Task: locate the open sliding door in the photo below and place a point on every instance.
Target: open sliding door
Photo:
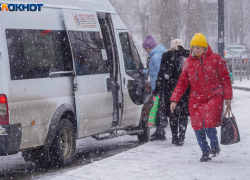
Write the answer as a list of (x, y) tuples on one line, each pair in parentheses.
[(93, 98)]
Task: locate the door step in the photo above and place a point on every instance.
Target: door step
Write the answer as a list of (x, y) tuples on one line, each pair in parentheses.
[(116, 135)]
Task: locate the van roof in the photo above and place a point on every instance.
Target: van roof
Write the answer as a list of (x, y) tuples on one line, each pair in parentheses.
[(90, 5)]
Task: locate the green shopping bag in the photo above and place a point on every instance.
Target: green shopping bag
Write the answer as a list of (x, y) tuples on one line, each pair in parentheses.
[(153, 112)]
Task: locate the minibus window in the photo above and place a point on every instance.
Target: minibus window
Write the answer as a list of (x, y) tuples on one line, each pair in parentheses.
[(36, 53), (109, 40), (39, 53), (131, 58), (89, 53), (63, 49)]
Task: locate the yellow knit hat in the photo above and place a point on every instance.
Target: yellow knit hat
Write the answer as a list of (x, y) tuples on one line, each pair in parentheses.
[(198, 40)]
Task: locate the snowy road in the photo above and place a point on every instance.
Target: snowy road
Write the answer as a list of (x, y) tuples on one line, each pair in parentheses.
[(124, 158), (88, 150)]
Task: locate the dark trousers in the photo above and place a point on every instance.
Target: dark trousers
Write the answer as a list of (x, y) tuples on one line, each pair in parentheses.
[(201, 138), (178, 125)]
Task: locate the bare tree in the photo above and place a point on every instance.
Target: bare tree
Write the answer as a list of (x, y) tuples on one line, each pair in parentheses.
[(143, 10), (195, 19), (163, 19), (135, 15)]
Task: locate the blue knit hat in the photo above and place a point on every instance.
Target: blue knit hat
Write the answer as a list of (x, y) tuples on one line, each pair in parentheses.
[(149, 42)]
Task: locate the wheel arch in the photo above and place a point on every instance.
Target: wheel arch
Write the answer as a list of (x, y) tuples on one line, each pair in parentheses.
[(63, 111)]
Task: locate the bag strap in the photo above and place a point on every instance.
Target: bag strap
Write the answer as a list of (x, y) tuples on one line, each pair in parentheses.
[(227, 112), (232, 112)]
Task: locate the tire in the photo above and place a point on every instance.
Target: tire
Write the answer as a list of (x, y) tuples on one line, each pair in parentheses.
[(145, 135), (63, 148)]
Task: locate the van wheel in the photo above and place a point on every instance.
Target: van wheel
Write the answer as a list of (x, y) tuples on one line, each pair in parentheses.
[(145, 135), (64, 146)]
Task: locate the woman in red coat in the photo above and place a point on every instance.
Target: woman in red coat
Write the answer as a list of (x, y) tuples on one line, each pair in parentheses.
[(210, 84)]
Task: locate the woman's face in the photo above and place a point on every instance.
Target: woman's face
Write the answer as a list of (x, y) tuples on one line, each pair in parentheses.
[(198, 50), (148, 50)]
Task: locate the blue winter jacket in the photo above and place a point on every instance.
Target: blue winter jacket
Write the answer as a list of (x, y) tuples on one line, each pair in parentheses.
[(154, 64)]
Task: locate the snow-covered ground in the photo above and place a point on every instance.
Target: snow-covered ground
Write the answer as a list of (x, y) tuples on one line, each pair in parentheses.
[(243, 83), (162, 160)]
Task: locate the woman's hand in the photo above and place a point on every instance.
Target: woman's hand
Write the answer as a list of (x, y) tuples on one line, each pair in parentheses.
[(228, 102), (173, 106)]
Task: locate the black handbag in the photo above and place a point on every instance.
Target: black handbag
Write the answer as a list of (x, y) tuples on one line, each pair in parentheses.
[(229, 129)]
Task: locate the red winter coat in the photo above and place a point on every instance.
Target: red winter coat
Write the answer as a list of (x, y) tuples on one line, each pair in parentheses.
[(210, 85)]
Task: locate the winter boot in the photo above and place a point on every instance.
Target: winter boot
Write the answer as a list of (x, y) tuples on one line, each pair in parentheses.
[(174, 129), (205, 158), (183, 121), (175, 140), (158, 135), (215, 151), (155, 133), (180, 142)]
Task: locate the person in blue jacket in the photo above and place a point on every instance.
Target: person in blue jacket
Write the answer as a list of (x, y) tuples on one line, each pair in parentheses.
[(155, 52)]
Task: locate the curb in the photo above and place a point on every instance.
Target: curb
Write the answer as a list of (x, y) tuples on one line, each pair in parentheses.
[(241, 88)]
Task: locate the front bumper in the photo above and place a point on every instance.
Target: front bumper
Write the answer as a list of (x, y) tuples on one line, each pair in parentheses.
[(10, 139)]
